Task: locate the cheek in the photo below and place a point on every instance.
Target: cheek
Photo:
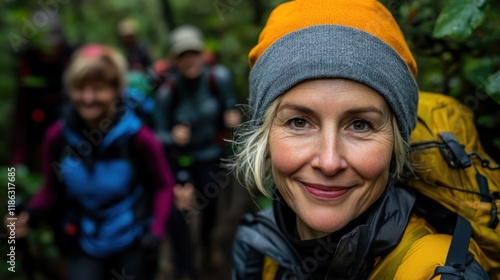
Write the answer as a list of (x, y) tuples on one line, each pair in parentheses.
[(372, 160), (279, 158), (108, 98), (74, 97), (199, 63), (181, 65), (289, 155), (285, 156)]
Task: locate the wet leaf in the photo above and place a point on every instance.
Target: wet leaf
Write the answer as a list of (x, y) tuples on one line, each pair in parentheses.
[(459, 18), (493, 87)]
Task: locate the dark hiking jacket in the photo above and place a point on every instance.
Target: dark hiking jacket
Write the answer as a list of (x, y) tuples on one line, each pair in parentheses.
[(260, 246)]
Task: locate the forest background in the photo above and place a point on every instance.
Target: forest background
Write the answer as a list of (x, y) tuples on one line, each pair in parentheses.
[(456, 44)]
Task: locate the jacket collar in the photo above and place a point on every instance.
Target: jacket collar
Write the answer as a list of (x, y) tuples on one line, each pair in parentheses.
[(126, 124), (382, 233)]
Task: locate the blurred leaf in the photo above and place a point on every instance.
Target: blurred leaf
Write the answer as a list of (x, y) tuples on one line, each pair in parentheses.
[(488, 121), (493, 87), (46, 237), (455, 85), (475, 70), (212, 45), (430, 76), (459, 18), (27, 182), (496, 142)]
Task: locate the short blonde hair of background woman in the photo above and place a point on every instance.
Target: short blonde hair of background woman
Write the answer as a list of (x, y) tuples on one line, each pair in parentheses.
[(96, 63)]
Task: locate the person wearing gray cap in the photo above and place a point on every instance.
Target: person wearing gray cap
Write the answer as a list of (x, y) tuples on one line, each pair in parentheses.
[(195, 106), (333, 101)]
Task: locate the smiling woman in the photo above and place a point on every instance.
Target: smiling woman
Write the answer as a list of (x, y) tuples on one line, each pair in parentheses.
[(333, 101), (330, 145)]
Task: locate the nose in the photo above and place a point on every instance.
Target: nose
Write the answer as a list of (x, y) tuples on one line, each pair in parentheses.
[(87, 95), (329, 154)]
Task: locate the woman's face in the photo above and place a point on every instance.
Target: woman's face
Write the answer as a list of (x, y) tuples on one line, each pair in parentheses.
[(330, 143), (94, 101)]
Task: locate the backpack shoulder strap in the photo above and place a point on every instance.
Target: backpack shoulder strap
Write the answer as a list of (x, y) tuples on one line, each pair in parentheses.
[(169, 81), (456, 259), (212, 82)]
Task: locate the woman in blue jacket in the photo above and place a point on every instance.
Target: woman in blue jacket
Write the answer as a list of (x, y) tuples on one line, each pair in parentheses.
[(104, 172)]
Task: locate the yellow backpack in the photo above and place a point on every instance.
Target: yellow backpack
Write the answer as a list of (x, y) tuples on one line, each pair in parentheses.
[(453, 169)]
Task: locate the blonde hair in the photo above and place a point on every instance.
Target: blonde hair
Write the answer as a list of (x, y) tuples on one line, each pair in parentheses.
[(96, 63), (401, 167), (252, 162)]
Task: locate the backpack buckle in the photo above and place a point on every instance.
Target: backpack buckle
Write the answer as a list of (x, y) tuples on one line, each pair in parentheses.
[(454, 152)]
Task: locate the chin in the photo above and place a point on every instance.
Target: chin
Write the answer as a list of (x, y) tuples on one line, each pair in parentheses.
[(324, 221), (90, 117), (192, 74)]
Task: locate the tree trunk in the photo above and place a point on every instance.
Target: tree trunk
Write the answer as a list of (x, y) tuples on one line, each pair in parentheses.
[(258, 9), (168, 15)]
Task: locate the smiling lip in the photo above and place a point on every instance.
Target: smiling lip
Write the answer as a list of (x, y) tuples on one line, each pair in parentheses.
[(325, 192)]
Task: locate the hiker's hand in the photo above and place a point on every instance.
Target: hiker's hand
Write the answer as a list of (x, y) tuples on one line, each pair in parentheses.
[(232, 118), (21, 225), (181, 134), (184, 196)]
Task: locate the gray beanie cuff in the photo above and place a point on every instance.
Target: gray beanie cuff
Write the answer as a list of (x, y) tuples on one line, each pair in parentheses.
[(334, 51)]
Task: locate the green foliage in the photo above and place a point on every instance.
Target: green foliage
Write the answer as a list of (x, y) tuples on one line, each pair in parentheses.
[(459, 18), (493, 86)]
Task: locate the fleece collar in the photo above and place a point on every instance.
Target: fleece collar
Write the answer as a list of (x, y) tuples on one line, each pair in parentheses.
[(122, 128)]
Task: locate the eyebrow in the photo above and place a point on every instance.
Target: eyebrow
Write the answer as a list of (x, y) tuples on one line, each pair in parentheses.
[(360, 110), (350, 112), (299, 108)]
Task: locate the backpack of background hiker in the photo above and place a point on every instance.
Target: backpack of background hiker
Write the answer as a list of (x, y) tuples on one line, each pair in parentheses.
[(452, 169), (164, 70)]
